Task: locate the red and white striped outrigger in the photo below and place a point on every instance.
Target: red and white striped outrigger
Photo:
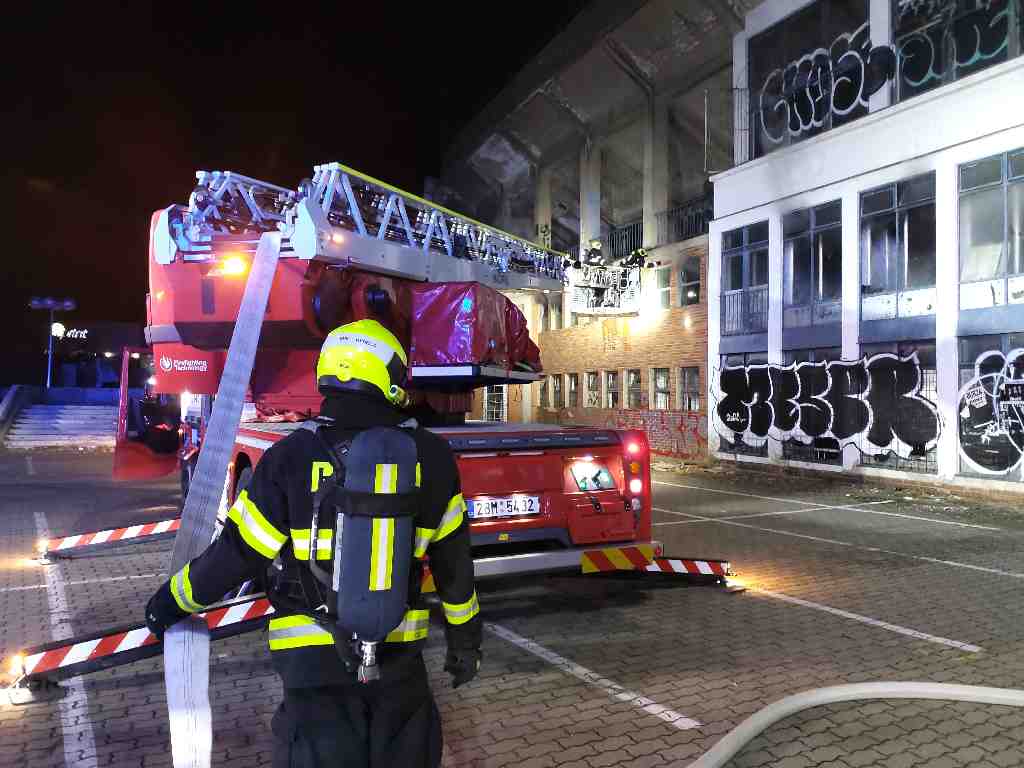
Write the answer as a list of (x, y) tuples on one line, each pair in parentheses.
[(69, 546), (123, 645)]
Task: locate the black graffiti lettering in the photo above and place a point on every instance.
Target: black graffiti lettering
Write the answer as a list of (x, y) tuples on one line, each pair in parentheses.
[(874, 404), (815, 410), (851, 415), (991, 431), (760, 405), (785, 388)]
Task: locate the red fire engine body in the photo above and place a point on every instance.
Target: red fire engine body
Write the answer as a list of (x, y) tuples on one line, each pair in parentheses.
[(352, 248)]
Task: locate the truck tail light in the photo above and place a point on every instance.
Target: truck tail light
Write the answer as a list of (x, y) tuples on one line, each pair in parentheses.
[(636, 486)]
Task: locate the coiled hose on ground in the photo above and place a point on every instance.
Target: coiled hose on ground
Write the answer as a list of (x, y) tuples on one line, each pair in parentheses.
[(746, 731)]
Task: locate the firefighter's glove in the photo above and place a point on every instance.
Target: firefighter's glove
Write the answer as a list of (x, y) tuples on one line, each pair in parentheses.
[(162, 612), (462, 665)]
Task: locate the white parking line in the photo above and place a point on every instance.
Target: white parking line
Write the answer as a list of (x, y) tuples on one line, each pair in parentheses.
[(767, 514), (76, 727), (871, 622), (79, 582), (610, 687), (29, 466), (969, 566), (852, 507)]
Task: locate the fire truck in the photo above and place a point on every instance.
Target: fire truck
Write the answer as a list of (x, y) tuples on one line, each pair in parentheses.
[(352, 247)]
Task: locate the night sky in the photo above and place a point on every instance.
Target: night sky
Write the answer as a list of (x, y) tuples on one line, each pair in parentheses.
[(112, 108)]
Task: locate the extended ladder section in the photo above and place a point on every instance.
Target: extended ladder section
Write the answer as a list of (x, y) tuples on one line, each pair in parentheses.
[(346, 218)]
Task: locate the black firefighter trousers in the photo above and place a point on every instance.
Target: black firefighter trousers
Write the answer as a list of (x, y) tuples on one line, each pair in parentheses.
[(377, 725)]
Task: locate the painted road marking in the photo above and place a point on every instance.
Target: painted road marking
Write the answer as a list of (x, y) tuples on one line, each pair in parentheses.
[(923, 558), (767, 514), (29, 466), (76, 727), (79, 582), (613, 689), (853, 507), (869, 621)]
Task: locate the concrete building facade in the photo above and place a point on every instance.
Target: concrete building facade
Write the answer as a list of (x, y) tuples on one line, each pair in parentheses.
[(866, 258)]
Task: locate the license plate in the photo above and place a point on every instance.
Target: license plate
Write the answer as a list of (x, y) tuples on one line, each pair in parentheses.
[(507, 506)]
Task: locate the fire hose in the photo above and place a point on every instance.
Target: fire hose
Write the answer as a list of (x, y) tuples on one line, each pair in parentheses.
[(741, 735)]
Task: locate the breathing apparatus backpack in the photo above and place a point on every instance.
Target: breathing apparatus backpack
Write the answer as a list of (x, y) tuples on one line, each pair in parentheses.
[(370, 501)]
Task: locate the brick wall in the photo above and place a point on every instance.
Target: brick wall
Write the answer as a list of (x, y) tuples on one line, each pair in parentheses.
[(672, 339)]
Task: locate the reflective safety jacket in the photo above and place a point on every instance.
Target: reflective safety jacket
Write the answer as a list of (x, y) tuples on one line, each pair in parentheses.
[(271, 518)]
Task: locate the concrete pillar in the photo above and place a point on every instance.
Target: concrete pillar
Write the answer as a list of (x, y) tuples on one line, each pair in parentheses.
[(850, 311), (880, 18), (542, 208), (742, 128), (947, 309), (656, 167), (775, 270), (713, 293), (590, 195)]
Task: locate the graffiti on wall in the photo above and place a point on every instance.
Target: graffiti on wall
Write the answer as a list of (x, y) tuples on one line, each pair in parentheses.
[(825, 82), (678, 434), (991, 408), (949, 40), (874, 404)]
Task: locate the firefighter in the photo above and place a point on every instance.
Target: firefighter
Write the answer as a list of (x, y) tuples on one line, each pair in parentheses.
[(329, 718)]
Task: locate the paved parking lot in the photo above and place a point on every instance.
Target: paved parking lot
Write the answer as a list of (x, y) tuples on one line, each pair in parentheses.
[(847, 583)]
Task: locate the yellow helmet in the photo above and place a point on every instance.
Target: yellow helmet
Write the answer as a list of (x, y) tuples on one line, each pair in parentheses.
[(363, 356)]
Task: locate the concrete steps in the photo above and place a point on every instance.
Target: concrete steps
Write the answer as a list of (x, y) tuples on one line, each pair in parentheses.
[(63, 426)]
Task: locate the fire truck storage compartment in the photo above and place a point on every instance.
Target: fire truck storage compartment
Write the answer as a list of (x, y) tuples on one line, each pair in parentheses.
[(458, 324)]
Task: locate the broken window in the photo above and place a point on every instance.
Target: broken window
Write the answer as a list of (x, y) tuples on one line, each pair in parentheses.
[(897, 249), (812, 265), (992, 231), (689, 388), (612, 389), (689, 282), (662, 389), (633, 388), (574, 390)]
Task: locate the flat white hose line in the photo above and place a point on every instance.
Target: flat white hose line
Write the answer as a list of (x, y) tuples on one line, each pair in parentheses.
[(745, 732)]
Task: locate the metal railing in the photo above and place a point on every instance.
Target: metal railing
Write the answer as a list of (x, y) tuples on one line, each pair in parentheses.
[(622, 241), (684, 221), (745, 311)]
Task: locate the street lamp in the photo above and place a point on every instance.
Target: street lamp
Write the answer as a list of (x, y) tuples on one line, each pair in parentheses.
[(56, 329)]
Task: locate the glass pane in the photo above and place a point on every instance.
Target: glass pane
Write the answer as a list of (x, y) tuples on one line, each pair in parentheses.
[(828, 251), (796, 257), (732, 273), (691, 270), (916, 190), (634, 378), (879, 200), (972, 347), (732, 361), (924, 350), (796, 223), (878, 254), (664, 277), (665, 301), (918, 228), (690, 294), (732, 239), (987, 171), (1015, 227), (757, 358), (1016, 162), (827, 353), (757, 233), (981, 235), (661, 378), (830, 213), (759, 268)]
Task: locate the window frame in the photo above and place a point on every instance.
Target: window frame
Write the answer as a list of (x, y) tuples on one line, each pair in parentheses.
[(557, 392), (661, 395), (1006, 182), (591, 401), (684, 286), (664, 293), (746, 251), (572, 390), (811, 234), (634, 392), (900, 294), (688, 396), (613, 390)]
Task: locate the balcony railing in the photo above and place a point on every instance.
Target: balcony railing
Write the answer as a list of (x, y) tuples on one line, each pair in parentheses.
[(684, 221), (745, 311), (622, 241)]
